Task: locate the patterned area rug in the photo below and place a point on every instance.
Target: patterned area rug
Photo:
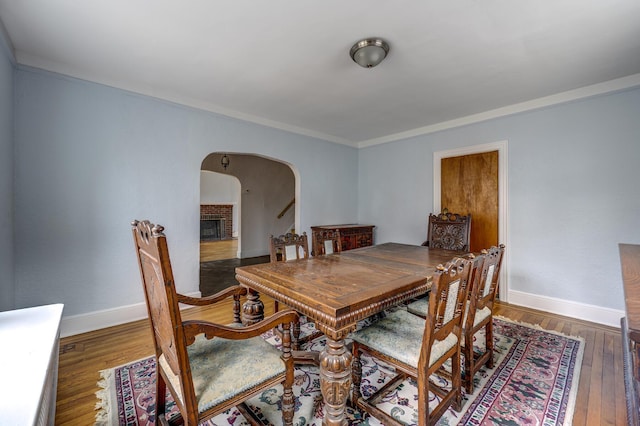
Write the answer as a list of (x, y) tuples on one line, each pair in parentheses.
[(534, 382)]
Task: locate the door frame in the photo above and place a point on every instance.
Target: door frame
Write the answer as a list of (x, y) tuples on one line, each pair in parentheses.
[(503, 217)]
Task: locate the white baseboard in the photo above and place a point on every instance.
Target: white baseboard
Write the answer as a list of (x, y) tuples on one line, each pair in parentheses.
[(597, 314), (82, 323), (77, 324)]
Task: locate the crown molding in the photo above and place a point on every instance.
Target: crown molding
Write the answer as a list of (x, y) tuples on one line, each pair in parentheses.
[(606, 87), (65, 71), (611, 86)]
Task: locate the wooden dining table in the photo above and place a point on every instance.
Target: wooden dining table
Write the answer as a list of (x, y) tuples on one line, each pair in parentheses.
[(337, 291)]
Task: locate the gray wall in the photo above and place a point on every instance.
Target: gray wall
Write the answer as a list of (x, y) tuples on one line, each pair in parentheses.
[(6, 176), (574, 193), (90, 158)]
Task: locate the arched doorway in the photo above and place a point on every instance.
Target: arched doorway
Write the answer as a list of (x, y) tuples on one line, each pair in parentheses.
[(266, 188)]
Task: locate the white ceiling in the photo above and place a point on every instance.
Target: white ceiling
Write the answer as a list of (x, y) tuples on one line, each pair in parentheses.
[(285, 63)]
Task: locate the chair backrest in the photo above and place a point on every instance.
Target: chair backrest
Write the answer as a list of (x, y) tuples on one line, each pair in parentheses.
[(327, 241), (485, 287), (162, 300), (289, 247), (447, 300), (449, 231)]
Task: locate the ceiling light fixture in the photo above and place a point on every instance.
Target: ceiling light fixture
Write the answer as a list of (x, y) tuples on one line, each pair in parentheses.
[(369, 52)]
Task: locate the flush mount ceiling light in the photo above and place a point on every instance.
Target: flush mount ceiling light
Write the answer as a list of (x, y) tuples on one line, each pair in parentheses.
[(369, 52)]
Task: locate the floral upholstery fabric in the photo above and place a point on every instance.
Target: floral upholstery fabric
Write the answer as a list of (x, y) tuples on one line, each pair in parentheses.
[(419, 307), (222, 368), (450, 307), (480, 315), (487, 282), (399, 335), (291, 252)]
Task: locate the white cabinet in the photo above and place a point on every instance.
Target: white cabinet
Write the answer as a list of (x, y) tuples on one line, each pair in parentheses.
[(29, 340)]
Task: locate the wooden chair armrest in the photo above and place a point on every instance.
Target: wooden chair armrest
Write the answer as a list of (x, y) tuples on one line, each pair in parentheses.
[(193, 327), (221, 295)]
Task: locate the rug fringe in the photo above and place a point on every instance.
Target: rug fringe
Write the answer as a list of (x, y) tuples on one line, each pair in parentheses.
[(104, 415), (538, 327)]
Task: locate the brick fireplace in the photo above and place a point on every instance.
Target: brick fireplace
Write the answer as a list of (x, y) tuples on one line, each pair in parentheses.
[(216, 221)]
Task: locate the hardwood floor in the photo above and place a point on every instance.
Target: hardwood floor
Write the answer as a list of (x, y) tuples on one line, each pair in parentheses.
[(600, 400), (218, 250)]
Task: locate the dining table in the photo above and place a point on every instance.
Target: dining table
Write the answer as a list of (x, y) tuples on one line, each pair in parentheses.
[(336, 292)]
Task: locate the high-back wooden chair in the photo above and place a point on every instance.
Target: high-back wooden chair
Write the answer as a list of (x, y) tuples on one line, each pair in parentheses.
[(449, 231), (207, 367), (420, 306), (288, 247), (327, 241), (418, 347), (479, 315)]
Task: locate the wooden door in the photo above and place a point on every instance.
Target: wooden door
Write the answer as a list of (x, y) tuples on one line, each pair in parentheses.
[(469, 184)]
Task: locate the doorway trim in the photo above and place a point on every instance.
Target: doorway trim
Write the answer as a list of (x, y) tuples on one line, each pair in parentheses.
[(503, 202)]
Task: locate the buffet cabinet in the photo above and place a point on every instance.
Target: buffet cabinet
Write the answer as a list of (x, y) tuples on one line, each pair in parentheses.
[(352, 236), (630, 325)]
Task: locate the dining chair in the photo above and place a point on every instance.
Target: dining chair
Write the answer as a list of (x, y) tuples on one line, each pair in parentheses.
[(207, 367), (479, 314), (449, 231), (327, 242), (483, 290), (418, 347), (287, 248)]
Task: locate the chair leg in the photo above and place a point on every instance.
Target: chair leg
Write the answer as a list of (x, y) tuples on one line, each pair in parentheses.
[(356, 375), (455, 379), (288, 400), (295, 336), (161, 397), (424, 417), (489, 342), (467, 350)]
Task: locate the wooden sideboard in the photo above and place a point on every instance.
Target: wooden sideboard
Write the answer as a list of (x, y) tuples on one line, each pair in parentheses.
[(630, 325), (352, 236)]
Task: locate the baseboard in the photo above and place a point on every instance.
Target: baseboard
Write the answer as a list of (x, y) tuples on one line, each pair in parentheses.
[(83, 323), (597, 314)]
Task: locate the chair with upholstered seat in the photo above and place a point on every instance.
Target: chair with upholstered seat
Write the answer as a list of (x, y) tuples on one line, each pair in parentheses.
[(327, 241), (449, 231), (483, 290), (418, 347), (420, 306), (483, 293), (207, 367), (287, 248)]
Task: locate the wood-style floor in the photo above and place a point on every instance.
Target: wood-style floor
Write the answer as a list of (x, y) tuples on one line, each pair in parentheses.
[(600, 399), (218, 250)]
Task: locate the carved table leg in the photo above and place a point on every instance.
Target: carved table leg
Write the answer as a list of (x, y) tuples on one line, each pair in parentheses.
[(335, 381), (252, 309)]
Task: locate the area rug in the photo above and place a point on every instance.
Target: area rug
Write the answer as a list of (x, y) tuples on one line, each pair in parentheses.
[(534, 382)]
